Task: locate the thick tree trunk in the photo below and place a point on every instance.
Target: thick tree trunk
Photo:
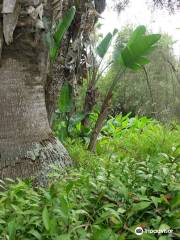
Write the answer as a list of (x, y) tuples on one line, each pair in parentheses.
[(28, 98), (27, 146), (26, 142)]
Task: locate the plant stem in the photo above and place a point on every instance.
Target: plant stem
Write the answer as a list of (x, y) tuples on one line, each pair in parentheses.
[(92, 93), (150, 90), (104, 112)]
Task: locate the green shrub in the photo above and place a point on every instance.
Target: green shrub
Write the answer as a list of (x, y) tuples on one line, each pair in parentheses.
[(131, 181)]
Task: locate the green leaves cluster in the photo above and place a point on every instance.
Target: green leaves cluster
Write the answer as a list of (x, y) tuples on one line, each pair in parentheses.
[(134, 54), (140, 44), (129, 183)]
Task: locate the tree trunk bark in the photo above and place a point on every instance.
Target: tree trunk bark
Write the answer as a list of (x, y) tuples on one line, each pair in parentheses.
[(89, 103), (27, 146), (28, 98)]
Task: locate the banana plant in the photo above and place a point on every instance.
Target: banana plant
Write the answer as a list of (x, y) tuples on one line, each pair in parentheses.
[(133, 56), (95, 73)]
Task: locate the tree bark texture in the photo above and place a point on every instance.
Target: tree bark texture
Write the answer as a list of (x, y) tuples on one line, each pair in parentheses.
[(71, 63), (28, 90), (27, 146)]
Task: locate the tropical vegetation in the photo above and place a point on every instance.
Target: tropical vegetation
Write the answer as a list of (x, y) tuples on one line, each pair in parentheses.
[(89, 125)]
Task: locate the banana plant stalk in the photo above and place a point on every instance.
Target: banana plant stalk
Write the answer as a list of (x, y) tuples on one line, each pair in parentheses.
[(104, 111), (92, 92), (133, 56)]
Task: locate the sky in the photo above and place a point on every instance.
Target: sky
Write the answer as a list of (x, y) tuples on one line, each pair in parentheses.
[(140, 12)]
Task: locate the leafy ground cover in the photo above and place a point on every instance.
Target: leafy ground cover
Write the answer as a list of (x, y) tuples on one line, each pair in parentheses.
[(132, 181)]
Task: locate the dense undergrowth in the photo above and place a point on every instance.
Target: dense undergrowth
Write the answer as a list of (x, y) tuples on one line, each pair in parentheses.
[(132, 181)]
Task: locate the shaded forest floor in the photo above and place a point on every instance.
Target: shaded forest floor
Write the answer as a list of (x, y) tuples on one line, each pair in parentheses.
[(132, 181)]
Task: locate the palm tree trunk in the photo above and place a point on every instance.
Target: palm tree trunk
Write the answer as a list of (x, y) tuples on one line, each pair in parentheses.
[(27, 146)]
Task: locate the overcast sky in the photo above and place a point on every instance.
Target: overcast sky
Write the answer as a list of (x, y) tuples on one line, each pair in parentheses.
[(139, 12)]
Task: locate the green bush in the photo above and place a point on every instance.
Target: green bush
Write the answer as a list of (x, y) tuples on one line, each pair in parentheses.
[(131, 181)]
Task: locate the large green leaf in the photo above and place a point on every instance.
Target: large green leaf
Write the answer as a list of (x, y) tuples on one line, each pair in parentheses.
[(65, 99), (134, 55), (60, 30), (64, 24), (104, 45)]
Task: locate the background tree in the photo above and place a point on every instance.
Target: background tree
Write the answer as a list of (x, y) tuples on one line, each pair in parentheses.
[(172, 5)]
